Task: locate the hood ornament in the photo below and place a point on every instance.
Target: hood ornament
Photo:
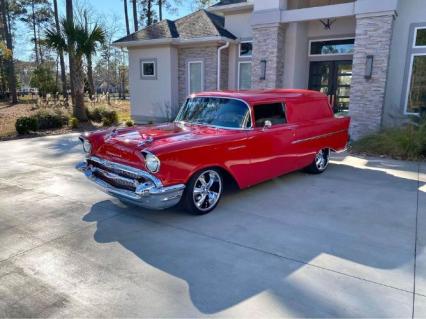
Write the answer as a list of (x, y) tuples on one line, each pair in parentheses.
[(147, 140)]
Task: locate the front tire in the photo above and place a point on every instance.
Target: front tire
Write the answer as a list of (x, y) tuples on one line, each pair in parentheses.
[(320, 162), (203, 192)]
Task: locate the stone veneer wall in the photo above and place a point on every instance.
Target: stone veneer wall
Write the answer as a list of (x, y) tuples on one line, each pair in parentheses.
[(373, 37), (268, 44), (208, 55)]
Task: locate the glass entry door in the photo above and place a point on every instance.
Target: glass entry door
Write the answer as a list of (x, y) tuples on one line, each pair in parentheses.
[(332, 78)]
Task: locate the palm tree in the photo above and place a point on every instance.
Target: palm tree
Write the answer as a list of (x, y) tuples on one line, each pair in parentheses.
[(78, 42)]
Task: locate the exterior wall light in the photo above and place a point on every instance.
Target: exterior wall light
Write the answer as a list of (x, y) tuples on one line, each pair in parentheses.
[(369, 67), (262, 69)]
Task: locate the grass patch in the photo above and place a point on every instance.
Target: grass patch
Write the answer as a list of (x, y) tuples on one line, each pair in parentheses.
[(407, 143)]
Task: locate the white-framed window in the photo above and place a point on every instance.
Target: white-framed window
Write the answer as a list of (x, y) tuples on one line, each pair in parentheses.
[(148, 69), (244, 75), (416, 88), (331, 47), (245, 49), (419, 38), (195, 76)]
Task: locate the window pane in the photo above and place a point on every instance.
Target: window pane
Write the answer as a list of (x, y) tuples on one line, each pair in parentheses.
[(269, 112), (148, 69), (195, 80), (417, 94), (215, 111), (245, 76), (246, 49), (421, 37), (332, 47)]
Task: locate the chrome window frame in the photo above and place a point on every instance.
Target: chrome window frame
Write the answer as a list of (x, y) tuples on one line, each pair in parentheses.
[(218, 126)]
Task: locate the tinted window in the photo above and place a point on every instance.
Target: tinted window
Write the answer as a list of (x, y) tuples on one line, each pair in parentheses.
[(246, 49), (269, 112), (421, 37), (215, 111)]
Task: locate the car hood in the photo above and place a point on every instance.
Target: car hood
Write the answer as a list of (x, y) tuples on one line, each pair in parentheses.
[(125, 145)]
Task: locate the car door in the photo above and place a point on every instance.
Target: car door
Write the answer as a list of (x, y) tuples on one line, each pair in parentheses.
[(270, 142)]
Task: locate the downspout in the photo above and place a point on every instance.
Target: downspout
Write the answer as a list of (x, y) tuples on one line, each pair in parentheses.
[(219, 63)]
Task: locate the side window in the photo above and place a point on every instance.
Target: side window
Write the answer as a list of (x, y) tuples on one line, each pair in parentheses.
[(273, 112)]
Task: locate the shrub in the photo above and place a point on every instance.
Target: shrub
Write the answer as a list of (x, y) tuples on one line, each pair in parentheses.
[(50, 120), (73, 122), (129, 123), (95, 114), (109, 117), (26, 124), (408, 142)]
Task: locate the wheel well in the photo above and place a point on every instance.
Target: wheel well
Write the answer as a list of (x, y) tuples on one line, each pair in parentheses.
[(229, 181)]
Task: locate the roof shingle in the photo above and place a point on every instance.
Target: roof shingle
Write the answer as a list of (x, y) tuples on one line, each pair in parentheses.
[(199, 24), (228, 2)]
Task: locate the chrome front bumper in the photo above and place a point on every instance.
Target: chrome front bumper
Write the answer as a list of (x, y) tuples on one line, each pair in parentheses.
[(149, 193)]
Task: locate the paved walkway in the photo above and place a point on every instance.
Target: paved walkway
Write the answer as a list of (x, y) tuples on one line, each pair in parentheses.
[(337, 245)]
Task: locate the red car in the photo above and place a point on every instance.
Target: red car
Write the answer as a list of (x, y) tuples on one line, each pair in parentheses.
[(247, 137)]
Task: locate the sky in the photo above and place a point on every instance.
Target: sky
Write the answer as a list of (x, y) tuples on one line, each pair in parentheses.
[(111, 10)]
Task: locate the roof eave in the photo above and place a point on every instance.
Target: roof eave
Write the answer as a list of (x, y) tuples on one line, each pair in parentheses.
[(232, 7), (174, 41)]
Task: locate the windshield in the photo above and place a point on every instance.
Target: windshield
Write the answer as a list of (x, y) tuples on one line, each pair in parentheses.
[(215, 111)]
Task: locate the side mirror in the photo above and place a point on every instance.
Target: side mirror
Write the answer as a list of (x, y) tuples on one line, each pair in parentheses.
[(267, 124)]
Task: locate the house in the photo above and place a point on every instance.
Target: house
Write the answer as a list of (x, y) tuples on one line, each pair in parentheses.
[(368, 56)]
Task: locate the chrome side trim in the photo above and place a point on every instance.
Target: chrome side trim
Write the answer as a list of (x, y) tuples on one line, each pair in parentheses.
[(128, 169), (317, 137)]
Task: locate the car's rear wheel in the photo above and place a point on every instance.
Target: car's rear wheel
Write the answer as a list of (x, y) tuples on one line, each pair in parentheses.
[(320, 162), (203, 192)]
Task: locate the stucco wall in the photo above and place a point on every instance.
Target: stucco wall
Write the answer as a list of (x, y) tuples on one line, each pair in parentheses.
[(412, 11), (239, 24), (152, 99)]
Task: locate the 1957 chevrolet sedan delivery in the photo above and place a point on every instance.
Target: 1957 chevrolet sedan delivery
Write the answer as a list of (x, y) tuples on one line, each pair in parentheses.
[(247, 136)]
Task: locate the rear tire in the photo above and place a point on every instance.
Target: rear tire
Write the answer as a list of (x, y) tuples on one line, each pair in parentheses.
[(320, 162), (203, 192)]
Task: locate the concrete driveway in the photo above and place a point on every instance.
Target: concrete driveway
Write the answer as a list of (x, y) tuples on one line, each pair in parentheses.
[(342, 244)]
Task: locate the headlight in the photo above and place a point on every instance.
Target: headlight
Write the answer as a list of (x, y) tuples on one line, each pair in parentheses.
[(152, 163), (87, 147)]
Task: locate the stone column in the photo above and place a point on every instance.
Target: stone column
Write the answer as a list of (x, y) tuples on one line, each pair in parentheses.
[(268, 45), (373, 37)]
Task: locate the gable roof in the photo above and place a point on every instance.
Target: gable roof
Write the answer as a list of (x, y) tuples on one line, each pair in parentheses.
[(200, 24), (228, 2)]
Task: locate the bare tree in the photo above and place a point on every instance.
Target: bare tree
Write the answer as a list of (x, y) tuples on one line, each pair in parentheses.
[(160, 9), (9, 62), (126, 17), (135, 14)]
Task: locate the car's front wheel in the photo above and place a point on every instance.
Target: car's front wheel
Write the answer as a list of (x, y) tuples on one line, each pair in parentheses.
[(320, 163), (203, 192)]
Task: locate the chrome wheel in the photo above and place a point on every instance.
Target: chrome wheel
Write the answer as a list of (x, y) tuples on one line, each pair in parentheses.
[(322, 159), (207, 190)]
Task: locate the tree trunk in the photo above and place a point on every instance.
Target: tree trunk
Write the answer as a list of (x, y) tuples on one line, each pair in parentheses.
[(149, 12), (34, 32), (79, 109), (135, 14), (60, 52), (126, 16), (9, 63), (89, 62), (160, 9), (40, 49), (71, 53)]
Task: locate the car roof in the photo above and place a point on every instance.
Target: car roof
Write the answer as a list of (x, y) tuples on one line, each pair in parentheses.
[(253, 96)]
